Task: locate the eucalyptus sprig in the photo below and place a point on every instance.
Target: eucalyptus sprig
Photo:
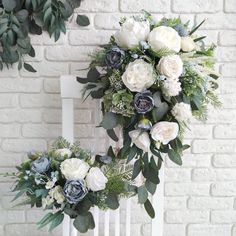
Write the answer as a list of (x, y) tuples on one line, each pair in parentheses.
[(20, 18)]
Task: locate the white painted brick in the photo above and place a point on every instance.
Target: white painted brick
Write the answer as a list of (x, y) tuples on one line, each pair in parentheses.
[(89, 37), (211, 36), (186, 216), (12, 216), (107, 21), (44, 39), (99, 6), (224, 189), (203, 203), (10, 159), (51, 85), (8, 100), (177, 175), (224, 161), (23, 145), (227, 85), (138, 5), (225, 131), (69, 53), (10, 130), (183, 189), (197, 6), (198, 131), (214, 146), (171, 229), (11, 72), (221, 116), (228, 69), (175, 203), (217, 21), (40, 100), (213, 174), (192, 160), (223, 217), (227, 38), (230, 6), (209, 230), (226, 54)]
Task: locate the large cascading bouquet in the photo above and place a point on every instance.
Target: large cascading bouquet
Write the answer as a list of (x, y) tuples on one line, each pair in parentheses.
[(68, 180), (152, 77)]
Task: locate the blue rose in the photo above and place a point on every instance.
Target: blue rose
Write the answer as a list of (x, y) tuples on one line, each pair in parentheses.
[(115, 57), (75, 190), (41, 165), (143, 102)]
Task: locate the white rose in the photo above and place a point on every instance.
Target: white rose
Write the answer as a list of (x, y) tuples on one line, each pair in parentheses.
[(165, 131), (96, 180), (187, 44), (50, 184), (57, 194), (170, 66), (139, 180), (181, 111), (171, 87), (138, 76), (164, 37), (140, 139), (131, 33), (74, 169), (64, 152)]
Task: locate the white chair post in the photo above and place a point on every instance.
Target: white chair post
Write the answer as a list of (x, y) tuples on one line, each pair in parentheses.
[(70, 90)]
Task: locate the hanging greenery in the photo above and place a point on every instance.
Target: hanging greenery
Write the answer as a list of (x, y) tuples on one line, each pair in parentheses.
[(20, 18)]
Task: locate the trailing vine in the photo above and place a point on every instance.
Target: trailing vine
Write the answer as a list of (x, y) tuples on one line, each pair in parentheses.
[(20, 18)]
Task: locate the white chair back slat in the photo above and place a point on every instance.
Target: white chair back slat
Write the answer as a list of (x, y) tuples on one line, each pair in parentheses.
[(70, 90)]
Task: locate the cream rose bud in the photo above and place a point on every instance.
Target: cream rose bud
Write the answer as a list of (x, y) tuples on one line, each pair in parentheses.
[(131, 33), (170, 66), (74, 169), (138, 76), (140, 139), (96, 180), (64, 152), (187, 44), (164, 37), (181, 111), (164, 131)]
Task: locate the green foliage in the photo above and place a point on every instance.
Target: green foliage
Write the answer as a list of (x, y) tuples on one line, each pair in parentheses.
[(19, 19)]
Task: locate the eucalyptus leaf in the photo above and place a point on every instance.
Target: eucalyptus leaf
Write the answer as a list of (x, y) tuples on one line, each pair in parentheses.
[(149, 209), (29, 68), (82, 223), (9, 5), (82, 20), (112, 201), (142, 194), (175, 157), (110, 121), (112, 135)]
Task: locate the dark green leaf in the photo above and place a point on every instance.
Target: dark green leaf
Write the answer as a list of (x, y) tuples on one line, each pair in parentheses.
[(56, 221), (196, 28), (151, 187), (110, 121), (22, 15), (82, 20), (186, 146), (29, 68), (112, 201), (137, 169), (132, 153), (142, 194), (112, 135), (199, 39), (93, 75), (9, 5), (149, 209), (91, 221), (175, 157), (82, 223), (159, 112), (41, 192)]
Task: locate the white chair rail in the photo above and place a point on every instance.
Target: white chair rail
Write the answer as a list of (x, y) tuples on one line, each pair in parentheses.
[(70, 90)]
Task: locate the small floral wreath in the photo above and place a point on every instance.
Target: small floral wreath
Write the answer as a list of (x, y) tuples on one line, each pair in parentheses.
[(152, 78)]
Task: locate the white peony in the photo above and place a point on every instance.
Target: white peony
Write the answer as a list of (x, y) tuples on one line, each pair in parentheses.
[(170, 66), (181, 111), (96, 180), (74, 169), (140, 139), (131, 33), (138, 76), (187, 44), (64, 152), (57, 194), (171, 87), (139, 180), (164, 131), (164, 37)]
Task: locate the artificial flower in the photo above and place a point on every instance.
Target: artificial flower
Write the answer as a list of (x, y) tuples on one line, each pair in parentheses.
[(74, 169), (96, 180), (131, 33), (57, 194), (50, 184), (187, 44), (164, 131), (63, 152), (41, 165), (114, 57), (140, 139), (171, 87), (144, 124), (138, 76), (164, 37), (181, 111), (143, 102)]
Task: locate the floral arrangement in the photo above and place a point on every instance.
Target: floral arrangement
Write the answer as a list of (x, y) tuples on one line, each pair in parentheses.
[(68, 180), (152, 77)]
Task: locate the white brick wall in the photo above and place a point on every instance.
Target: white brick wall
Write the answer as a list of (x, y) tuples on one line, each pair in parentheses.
[(201, 195)]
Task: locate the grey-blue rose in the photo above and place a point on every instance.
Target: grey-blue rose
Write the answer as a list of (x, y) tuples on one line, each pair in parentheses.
[(143, 102), (41, 165), (75, 190), (115, 57)]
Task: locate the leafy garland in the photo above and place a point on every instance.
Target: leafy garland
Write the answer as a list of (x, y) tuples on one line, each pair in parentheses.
[(19, 18), (68, 180)]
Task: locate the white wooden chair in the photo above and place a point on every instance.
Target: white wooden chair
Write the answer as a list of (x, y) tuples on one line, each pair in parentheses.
[(70, 90)]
